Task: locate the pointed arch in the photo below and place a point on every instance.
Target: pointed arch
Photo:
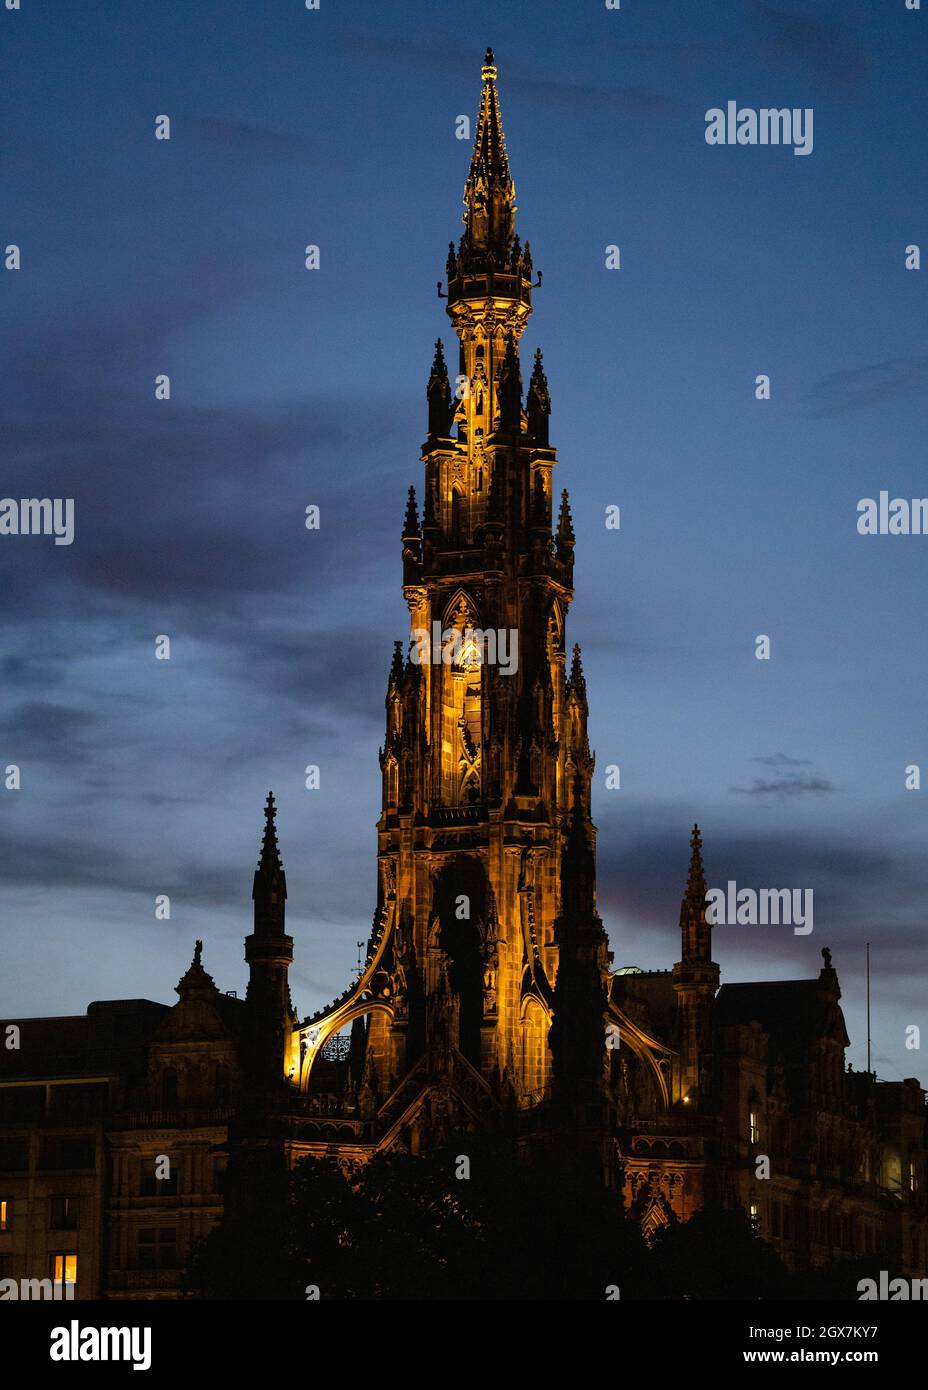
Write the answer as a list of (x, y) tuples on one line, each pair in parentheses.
[(461, 707), (460, 599), (535, 1055), (456, 516)]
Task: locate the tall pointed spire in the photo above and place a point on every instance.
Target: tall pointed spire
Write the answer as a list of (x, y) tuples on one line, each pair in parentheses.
[(577, 678), (695, 930), (696, 883), (438, 392), (270, 883), (489, 194), (695, 981), (510, 387), (578, 863), (538, 403), (566, 539), (577, 1033), (268, 1055), (395, 678), (411, 520)]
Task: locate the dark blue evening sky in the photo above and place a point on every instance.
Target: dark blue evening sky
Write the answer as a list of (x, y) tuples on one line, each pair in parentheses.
[(292, 387)]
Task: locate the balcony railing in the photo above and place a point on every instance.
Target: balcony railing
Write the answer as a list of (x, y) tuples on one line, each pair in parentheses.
[(136, 1280), (187, 1118)]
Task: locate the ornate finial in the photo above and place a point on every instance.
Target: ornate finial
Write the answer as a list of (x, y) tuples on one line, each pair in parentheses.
[(411, 519), (696, 883), (396, 666), (489, 194), (565, 525), (539, 380), (538, 402), (576, 668), (269, 863), (198, 953), (510, 386), (826, 957), (438, 392)]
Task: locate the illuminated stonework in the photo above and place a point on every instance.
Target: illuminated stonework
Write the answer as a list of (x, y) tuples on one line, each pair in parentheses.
[(485, 829), (486, 998)]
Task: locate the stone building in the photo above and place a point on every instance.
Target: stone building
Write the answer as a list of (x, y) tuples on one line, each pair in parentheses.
[(487, 998)]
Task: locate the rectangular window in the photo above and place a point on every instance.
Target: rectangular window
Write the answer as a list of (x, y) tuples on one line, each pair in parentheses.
[(158, 1247), (775, 1219), (62, 1267), (63, 1214), (220, 1169), (755, 1216), (6, 1214), (14, 1155), (755, 1132), (153, 1186), (58, 1152)]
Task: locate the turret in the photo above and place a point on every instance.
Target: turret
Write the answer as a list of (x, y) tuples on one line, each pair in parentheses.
[(438, 393), (269, 952), (695, 982), (538, 404), (578, 1031)]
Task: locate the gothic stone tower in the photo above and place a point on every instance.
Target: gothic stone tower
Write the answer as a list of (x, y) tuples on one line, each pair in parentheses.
[(486, 762), (483, 758)]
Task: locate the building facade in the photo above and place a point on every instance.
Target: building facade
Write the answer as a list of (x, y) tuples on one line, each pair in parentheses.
[(487, 998)]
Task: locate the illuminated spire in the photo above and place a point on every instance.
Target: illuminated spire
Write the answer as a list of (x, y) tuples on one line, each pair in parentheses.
[(489, 194)]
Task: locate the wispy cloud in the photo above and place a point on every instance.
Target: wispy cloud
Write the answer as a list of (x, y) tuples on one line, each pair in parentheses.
[(819, 47), (784, 786), (859, 387), (790, 784), (445, 57), (259, 141)]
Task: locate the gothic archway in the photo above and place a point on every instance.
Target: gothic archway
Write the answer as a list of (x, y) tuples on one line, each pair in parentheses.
[(459, 914)]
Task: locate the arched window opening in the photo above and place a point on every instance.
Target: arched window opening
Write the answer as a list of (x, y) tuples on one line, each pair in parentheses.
[(462, 714), (457, 533)]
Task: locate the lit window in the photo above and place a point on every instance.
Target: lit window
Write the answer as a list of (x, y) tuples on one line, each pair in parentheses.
[(755, 1132), (913, 1177), (6, 1214), (63, 1268), (755, 1215)]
